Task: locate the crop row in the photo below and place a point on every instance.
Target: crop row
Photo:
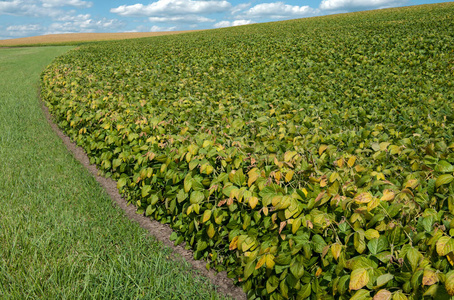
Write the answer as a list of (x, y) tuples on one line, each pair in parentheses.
[(307, 158)]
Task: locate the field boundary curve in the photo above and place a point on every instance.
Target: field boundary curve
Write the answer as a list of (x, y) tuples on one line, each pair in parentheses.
[(159, 231)]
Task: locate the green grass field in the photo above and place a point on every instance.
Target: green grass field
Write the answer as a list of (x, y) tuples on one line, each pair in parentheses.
[(60, 235)]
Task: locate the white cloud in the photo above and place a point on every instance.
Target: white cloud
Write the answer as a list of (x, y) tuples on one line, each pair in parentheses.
[(159, 29), (278, 10), (358, 4), (23, 30), (43, 8), (9, 6), (181, 19), (172, 7), (234, 23), (60, 3), (69, 18), (239, 8), (28, 27), (83, 23), (26, 8)]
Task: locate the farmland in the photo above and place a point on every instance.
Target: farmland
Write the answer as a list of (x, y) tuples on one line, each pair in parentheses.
[(307, 158), (61, 237), (78, 38)]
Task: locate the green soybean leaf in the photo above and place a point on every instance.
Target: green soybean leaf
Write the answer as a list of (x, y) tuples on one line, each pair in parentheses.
[(271, 284), (443, 179)]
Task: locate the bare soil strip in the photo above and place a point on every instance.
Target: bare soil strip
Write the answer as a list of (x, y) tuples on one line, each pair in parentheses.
[(82, 37), (160, 231)]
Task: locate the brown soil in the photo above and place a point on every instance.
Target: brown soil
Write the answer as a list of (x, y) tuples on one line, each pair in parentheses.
[(160, 231), (82, 37)]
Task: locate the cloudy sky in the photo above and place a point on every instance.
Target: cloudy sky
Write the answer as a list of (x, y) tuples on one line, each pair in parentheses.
[(22, 18)]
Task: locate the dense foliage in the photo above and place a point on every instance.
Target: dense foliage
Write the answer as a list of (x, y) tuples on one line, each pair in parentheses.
[(308, 158)]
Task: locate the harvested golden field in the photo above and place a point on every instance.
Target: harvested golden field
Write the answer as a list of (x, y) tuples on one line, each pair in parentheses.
[(81, 37)]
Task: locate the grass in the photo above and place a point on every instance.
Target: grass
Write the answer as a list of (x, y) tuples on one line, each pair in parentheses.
[(60, 235)]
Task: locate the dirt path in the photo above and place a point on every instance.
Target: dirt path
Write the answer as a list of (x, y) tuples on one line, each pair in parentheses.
[(160, 231)]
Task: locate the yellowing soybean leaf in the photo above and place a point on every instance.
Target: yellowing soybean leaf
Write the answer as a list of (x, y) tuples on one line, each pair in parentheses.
[(336, 249), (412, 183), (193, 149), (358, 242), (253, 174), (207, 143), (209, 169), (384, 145), (261, 262), (320, 196), (269, 261), (449, 283), (289, 176), (265, 211), (253, 202), (211, 231), (187, 183), (247, 244), (351, 161), (189, 210), (373, 204), (296, 224), (388, 195), (359, 168), (282, 226), (375, 147), (340, 162), (289, 155), (382, 295), (334, 176), (358, 279), (445, 245), (393, 149), (365, 197), (277, 176), (196, 208), (276, 200), (450, 257), (322, 149), (234, 243), (206, 215), (371, 234), (290, 212), (429, 277)]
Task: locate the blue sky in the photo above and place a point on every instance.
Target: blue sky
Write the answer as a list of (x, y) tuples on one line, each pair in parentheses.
[(23, 18)]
